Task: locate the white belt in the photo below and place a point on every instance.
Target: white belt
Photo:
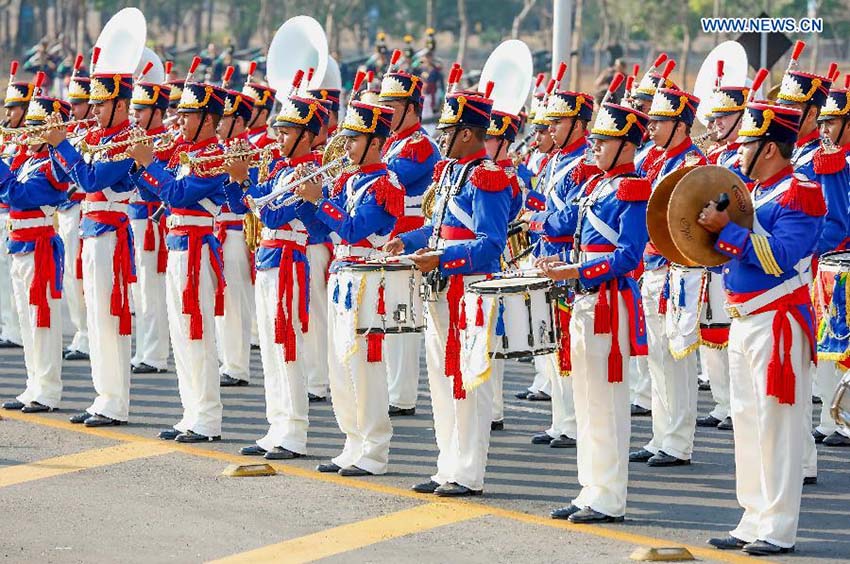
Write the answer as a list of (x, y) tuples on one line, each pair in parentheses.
[(89, 207), (765, 298), (177, 220), (346, 251), (14, 224), (228, 216), (413, 201), (298, 237), (584, 256), (446, 243)]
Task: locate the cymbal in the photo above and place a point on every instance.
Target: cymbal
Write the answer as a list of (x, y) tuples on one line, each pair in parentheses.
[(656, 217), (690, 195)]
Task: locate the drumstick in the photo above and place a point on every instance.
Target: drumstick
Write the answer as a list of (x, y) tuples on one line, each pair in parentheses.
[(409, 256)]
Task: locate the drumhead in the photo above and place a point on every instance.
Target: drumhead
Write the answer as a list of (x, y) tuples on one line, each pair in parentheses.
[(509, 285), (376, 266)]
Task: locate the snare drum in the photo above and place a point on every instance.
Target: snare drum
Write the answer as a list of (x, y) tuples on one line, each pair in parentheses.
[(521, 313), (840, 409), (386, 297), (829, 296)]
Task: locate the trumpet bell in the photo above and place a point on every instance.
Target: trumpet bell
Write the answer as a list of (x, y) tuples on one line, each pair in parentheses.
[(510, 67), (121, 42), (299, 44)]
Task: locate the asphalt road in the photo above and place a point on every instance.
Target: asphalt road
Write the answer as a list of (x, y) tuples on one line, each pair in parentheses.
[(119, 495)]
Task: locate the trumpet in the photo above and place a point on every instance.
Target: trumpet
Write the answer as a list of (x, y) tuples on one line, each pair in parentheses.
[(268, 201), (136, 137), (36, 129), (265, 154)]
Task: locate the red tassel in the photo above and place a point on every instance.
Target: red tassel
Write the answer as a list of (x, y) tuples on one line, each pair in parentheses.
[(615, 357), (461, 321), (419, 150), (804, 196), (382, 304), (564, 358), (150, 240), (489, 177), (829, 163), (479, 313), (602, 312), (389, 194), (662, 305), (162, 251), (454, 296), (78, 263), (374, 347)]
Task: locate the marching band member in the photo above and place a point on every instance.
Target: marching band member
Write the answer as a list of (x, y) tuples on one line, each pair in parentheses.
[(263, 97), (32, 193), (832, 346), (106, 258), (807, 93), (194, 278), (18, 95), (331, 96), (149, 105), (569, 114), (361, 209), (70, 214), (474, 199), (671, 297), (233, 329), (283, 287), (605, 328), (726, 110), (411, 154), (175, 86), (771, 340)]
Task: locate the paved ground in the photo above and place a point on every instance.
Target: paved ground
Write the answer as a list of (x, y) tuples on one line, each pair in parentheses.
[(119, 495)]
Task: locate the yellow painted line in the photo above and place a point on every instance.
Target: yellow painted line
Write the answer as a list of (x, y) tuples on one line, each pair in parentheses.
[(346, 538), (85, 460), (612, 533)]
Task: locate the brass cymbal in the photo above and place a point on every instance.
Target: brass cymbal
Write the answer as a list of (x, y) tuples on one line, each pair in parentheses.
[(656, 217), (690, 195)]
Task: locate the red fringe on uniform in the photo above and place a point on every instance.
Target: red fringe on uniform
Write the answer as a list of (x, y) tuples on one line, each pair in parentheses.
[(582, 172), (389, 194), (634, 190), (804, 196), (438, 170), (565, 364), (419, 150), (489, 177), (829, 163)]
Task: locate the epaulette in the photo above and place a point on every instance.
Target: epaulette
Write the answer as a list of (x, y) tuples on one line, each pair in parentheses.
[(829, 162), (339, 183), (633, 189), (179, 149), (417, 148), (582, 171), (47, 170), (804, 196), (438, 169), (490, 177), (389, 193)]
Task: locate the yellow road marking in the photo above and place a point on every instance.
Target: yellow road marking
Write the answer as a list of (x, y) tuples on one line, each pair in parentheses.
[(67, 464), (617, 534), (338, 540)]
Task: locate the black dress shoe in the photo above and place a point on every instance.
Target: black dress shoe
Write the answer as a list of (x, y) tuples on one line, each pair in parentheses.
[(522, 395), (564, 512), (541, 439), (401, 412), (664, 459), (837, 440), (708, 421), (75, 355), (4, 344), (255, 347), (497, 425), (253, 450), (451, 489), (280, 453), (168, 434), (353, 471), (704, 386), (764, 548), (13, 405), (539, 396), (79, 418), (313, 398), (589, 516), (819, 437), (563, 442), (815, 400), (193, 437), (639, 411), (426, 487), (727, 543), (35, 407), (98, 420), (230, 382), (726, 424), (328, 468), (810, 481), (641, 455), (143, 368)]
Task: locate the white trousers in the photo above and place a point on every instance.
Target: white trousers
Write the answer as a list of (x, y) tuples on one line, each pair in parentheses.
[(233, 329), (285, 382), (403, 369), (72, 287), (110, 352), (542, 381), (674, 382), (149, 298), (360, 396), (461, 426), (497, 377), (827, 377), (10, 326), (195, 360), (42, 345), (810, 452), (602, 410), (316, 339), (715, 368), (769, 436), (561, 388), (640, 383)]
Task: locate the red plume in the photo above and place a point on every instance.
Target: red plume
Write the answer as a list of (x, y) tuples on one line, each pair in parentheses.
[(395, 57), (228, 74), (95, 55), (358, 81), (13, 68), (296, 80), (550, 86), (78, 62), (370, 76), (452, 75), (671, 64), (761, 75), (635, 70), (539, 80), (659, 60), (252, 68), (833, 70), (562, 69), (720, 68), (798, 49), (847, 80), (39, 80), (489, 88), (147, 69), (459, 74), (168, 66), (630, 81), (616, 82), (310, 72)]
